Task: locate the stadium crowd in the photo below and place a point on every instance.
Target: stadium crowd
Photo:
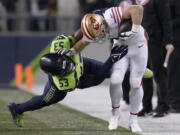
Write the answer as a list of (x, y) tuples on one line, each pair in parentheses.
[(161, 20)]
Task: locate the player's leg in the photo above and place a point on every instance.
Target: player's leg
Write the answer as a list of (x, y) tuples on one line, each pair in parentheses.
[(117, 76), (138, 65), (147, 98), (50, 96)]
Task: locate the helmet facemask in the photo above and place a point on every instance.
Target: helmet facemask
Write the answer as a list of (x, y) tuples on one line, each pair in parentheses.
[(65, 65), (103, 32)]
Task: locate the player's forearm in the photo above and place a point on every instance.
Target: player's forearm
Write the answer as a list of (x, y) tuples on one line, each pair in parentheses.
[(80, 45), (78, 34), (136, 13)]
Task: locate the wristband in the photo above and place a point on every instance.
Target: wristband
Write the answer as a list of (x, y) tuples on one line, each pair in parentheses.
[(135, 28)]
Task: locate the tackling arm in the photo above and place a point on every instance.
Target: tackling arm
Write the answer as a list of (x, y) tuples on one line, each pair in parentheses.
[(81, 43), (96, 72)]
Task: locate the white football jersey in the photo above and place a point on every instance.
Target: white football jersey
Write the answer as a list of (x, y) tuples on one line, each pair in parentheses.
[(113, 17)]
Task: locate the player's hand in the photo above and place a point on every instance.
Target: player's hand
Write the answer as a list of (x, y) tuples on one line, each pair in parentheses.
[(169, 48), (118, 52), (66, 52), (127, 35), (62, 51)]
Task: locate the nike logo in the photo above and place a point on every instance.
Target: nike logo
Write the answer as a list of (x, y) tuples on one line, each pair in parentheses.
[(139, 46)]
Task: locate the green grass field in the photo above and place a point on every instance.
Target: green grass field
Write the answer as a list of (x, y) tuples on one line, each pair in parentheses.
[(53, 120)]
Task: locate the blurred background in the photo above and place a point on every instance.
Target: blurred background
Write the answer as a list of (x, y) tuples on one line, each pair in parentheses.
[(27, 27)]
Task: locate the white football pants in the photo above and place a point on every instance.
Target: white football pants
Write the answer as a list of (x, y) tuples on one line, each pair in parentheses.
[(135, 61)]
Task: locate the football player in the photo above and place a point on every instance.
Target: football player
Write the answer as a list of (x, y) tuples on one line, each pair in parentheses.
[(106, 23), (65, 73)]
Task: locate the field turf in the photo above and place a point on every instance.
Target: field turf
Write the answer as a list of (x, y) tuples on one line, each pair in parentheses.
[(53, 120)]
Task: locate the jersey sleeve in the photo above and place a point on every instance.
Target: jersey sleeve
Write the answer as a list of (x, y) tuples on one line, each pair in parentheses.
[(113, 16)]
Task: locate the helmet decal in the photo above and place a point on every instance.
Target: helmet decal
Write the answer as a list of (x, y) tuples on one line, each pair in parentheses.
[(94, 23)]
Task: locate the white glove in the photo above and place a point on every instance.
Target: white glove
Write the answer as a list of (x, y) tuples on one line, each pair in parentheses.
[(129, 34)]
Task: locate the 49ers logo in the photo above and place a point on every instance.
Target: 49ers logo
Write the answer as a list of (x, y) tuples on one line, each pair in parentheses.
[(94, 23)]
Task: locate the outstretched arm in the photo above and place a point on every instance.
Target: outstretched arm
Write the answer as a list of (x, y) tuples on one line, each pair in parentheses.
[(78, 46), (95, 72), (81, 42)]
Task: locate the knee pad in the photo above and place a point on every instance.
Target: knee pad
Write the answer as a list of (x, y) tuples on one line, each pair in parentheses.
[(135, 83), (116, 79)]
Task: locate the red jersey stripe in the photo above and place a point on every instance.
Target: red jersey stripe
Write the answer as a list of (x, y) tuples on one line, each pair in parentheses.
[(113, 15), (86, 29), (119, 13)]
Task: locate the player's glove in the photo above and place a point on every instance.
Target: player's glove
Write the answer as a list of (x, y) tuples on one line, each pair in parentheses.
[(66, 52), (129, 34), (118, 52)]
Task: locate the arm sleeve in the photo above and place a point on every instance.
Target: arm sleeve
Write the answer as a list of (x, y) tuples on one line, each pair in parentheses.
[(164, 13), (95, 72)]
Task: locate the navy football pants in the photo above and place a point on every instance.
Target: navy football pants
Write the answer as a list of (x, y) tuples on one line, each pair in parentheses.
[(94, 73)]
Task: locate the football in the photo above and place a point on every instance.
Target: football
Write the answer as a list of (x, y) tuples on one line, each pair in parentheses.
[(125, 26)]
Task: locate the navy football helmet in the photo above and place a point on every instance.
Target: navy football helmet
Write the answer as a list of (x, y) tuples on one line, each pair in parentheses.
[(57, 65)]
